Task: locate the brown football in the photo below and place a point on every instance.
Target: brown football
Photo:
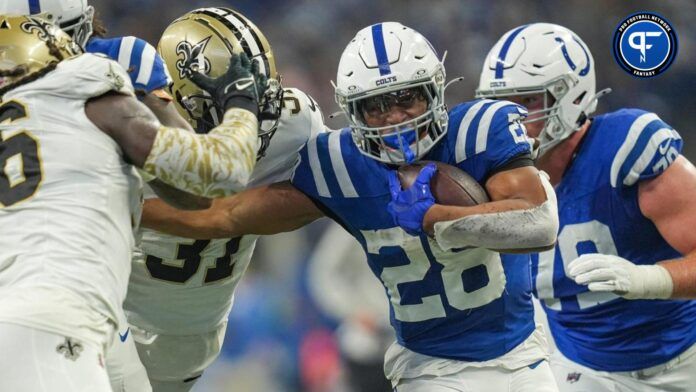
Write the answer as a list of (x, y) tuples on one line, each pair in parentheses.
[(450, 185)]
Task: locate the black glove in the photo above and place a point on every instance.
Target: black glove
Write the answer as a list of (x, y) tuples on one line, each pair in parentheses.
[(235, 88), (260, 78)]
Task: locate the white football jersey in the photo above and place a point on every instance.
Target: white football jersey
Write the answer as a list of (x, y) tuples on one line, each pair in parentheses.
[(181, 286), (68, 200)]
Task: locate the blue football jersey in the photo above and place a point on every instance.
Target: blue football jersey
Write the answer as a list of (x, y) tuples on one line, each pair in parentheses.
[(140, 59), (470, 305), (599, 212)]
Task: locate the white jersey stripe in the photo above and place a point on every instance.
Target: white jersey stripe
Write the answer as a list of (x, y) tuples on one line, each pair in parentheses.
[(460, 146), (315, 165), (647, 155), (339, 165), (147, 61), (633, 134), (125, 51), (485, 124)]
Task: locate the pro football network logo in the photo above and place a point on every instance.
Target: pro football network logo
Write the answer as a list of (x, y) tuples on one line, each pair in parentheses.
[(645, 44)]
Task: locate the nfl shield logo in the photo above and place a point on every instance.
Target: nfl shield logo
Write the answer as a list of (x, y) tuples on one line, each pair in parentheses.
[(573, 378)]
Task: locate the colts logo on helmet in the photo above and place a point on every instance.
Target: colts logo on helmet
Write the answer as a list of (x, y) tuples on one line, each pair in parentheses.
[(193, 59)]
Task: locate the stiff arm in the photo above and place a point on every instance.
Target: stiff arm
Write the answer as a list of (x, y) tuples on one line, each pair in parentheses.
[(268, 209), (212, 165)]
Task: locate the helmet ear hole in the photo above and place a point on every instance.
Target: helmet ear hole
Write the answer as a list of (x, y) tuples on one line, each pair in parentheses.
[(579, 98)]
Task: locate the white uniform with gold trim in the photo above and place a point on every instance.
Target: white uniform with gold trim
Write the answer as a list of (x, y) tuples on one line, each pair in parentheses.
[(68, 200), (181, 290)]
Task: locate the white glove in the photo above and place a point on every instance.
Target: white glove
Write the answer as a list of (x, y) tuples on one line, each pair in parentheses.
[(618, 275)]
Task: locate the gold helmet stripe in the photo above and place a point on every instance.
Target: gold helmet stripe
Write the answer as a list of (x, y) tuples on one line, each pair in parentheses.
[(245, 32)]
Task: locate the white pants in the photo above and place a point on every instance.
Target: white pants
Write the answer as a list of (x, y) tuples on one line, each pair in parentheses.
[(126, 371), (487, 379), (32, 360), (174, 362), (524, 369), (676, 375)]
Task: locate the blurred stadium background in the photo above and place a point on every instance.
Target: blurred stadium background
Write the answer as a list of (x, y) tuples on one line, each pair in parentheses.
[(319, 324)]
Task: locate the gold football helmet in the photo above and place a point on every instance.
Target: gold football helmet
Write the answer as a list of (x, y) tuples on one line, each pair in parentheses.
[(202, 41), (29, 48)]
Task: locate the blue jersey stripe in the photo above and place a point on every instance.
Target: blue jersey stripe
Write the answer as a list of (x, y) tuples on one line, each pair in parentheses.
[(380, 50), (135, 59), (34, 7), (500, 64), (328, 171)]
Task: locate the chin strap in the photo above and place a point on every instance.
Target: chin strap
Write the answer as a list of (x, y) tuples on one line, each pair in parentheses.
[(581, 120), (455, 80), (595, 98)]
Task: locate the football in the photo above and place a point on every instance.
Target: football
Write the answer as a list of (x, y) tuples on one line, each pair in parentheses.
[(450, 185)]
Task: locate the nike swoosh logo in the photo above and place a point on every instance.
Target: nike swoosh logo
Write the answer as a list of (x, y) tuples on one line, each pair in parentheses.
[(242, 86), (124, 336), (663, 148)]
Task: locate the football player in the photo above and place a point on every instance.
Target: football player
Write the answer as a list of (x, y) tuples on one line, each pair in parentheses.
[(181, 289), (462, 313), (149, 77), (625, 195), (140, 59), (72, 134)]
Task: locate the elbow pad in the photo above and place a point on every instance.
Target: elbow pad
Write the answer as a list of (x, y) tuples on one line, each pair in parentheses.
[(213, 165), (518, 229)]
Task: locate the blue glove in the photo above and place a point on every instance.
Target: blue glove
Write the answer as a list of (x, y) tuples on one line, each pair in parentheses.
[(408, 207)]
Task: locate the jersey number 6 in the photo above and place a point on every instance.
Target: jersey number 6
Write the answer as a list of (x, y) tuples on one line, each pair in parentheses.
[(20, 163)]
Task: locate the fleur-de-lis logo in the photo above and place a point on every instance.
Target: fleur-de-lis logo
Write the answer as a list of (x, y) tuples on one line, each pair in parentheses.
[(44, 30), (70, 348), (193, 59), (116, 79)]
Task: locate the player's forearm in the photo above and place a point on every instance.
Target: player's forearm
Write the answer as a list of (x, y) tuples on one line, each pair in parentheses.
[(213, 165), (178, 198), (201, 225), (271, 209), (683, 274), (517, 225)]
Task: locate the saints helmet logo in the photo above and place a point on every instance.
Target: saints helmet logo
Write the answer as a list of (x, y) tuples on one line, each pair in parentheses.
[(193, 59), (43, 29)]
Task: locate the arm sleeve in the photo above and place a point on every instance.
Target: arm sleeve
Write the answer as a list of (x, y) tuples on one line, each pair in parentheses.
[(213, 165)]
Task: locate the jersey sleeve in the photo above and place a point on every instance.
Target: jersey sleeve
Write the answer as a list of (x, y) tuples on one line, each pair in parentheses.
[(650, 147), (489, 135), (92, 76), (308, 176), (144, 65)]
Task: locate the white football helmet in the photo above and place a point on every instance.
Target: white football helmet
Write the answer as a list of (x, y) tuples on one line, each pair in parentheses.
[(544, 58), (72, 16), (389, 63)]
